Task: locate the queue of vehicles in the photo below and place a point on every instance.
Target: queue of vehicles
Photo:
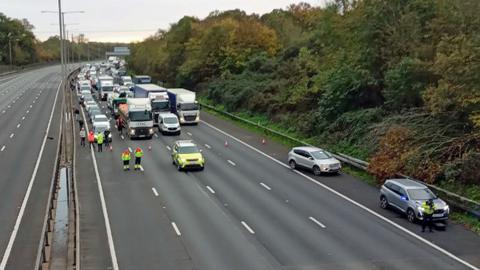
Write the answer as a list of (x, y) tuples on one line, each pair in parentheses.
[(143, 106)]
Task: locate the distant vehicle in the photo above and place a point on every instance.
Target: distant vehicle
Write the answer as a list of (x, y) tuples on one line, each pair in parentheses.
[(105, 87), (184, 104), (407, 196), (186, 155), (158, 98), (313, 158), (89, 104), (168, 123), (141, 79), (100, 127), (124, 80), (137, 116), (93, 113)]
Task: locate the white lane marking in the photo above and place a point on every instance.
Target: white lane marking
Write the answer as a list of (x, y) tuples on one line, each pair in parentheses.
[(231, 163), (177, 231), (18, 125), (155, 191), (11, 135), (28, 111), (3, 148), (189, 134), (265, 186), (211, 190), (8, 250), (421, 239), (8, 106), (141, 168), (31, 106), (208, 146), (130, 149), (23, 118), (156, 135), (13, 102), (317, 222), (169, 148), (121, 136), (33, 102), (247, 227), (106, 219), (3, 111)]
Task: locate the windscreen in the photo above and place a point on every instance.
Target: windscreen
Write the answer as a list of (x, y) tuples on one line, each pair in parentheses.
[(188, 150), (140, 116), (189, 106), (321, 155), (107, 88), (99, 129), (160, 105), (421, 194), (170, 120)]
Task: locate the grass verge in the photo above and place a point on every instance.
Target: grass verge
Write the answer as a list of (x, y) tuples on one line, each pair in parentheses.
[(468, 221)]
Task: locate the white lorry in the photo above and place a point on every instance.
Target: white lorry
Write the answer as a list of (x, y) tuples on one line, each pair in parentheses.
[(136, 115), (184, 104)]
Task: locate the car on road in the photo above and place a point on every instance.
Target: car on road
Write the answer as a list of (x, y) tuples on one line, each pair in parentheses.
[(407, 196), (100, 127), (186, 155), (313, 158), (100, 118), (93, 113), (89, 103), (168, 124)]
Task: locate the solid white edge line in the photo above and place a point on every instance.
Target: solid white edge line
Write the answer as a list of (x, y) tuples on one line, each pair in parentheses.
[(155, 191), (208, 146), (231, 163), (211, 190), (247, 227), (8, 250), (177, 231), (421, 239), (189, 134), (265, 186), (317, 222), (111, 245)]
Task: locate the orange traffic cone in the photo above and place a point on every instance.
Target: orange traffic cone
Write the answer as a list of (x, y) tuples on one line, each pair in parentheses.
[(226, 143), (149, 148), (264, 141)]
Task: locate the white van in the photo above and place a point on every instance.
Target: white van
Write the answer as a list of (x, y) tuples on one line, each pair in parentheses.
[(168, 124)]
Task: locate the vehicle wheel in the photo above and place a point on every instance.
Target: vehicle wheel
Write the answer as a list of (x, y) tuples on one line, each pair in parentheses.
[(316, 170), (293, 164), (179, 168), (411, 215), (383, 202)]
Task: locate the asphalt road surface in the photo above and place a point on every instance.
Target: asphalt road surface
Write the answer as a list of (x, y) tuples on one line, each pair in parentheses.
[(28, 142), (246, 210)]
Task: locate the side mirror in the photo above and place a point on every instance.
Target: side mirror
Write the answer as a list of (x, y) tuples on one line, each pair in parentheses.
[(310, 158), (404, 198)]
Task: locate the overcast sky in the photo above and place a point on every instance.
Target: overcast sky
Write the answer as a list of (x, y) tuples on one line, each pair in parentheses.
[(113, 20)]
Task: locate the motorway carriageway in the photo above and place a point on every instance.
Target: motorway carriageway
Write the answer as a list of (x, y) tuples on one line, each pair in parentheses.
[(28, 116), (246, 210)]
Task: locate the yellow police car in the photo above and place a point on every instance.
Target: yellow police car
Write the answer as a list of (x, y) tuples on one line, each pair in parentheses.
[(186, 155)]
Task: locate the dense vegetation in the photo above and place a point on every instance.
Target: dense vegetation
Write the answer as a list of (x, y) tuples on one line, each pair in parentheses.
[(392, 81), (26, 49)]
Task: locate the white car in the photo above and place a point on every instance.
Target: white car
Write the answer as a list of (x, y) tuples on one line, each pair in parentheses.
[(168, 123), (100, 118), (89, 104), (313, 158)]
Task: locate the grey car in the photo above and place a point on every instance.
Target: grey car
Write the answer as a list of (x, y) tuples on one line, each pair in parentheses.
[(313, 158), (407, 196)]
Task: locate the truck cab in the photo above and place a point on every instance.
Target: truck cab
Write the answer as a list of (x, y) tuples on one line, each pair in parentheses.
[(158, 98), (184, 104), (142, 79), (105, 87), (137, 116)]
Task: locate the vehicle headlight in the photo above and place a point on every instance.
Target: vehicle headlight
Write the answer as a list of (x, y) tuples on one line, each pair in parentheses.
[(421, 209), (110, 136), (151, 130), (447, 209), (132, 131)]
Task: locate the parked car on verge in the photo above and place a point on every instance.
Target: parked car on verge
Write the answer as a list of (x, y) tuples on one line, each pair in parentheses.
[(313, 158), (407, 196), (186, 155)]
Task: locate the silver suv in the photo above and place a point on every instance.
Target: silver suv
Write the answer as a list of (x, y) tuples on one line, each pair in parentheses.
[(407, 196), (313, 158)]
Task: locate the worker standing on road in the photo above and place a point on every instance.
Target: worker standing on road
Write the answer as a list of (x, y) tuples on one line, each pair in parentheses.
[(428, 209), (80, 123), (91, 137), (100, 140), (126, 160), (138, 158), (83, 134), (106, 135), (120, 125)]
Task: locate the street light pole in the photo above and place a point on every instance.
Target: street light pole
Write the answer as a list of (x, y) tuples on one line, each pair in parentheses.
[(10, 51), (60, 23)]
